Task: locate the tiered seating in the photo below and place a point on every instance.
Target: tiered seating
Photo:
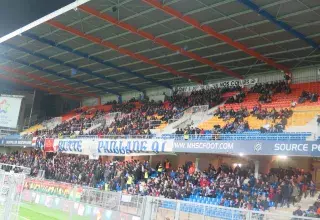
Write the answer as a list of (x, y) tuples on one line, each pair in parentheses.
[(302, 114), (280, 100), (162, 124), (207, 206), (33, 129), (300, 117), (74, 112), (83, 119), (253, 122)]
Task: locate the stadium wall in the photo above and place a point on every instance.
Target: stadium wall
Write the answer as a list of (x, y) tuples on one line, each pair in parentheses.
[(299, 75)]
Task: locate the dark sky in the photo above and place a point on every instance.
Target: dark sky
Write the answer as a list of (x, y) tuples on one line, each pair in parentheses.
[(15, 14)]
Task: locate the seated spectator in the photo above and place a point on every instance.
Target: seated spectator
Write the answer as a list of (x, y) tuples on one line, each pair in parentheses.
[(298, 211), (265, 128), (303, 97), (230, 100), (314, 97)]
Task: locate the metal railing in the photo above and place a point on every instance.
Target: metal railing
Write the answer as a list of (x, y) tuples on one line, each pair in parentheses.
[(160, 208), (208, 137), (15, 168), (197, 109), (74, 209), (115, 201), (150, 208), (170, 121), (11, 185), (154, 123), (243, 136), (51, 123)]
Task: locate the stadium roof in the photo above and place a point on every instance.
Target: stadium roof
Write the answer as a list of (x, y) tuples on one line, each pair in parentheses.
[(113, 47)]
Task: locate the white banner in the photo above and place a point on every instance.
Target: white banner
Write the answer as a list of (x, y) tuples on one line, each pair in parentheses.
[(100, 147), (230, 83), (9, 111)]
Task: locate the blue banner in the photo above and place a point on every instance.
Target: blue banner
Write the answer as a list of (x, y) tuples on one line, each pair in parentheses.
[(287, 148), (15, 142), (126, 146), (100, 147), (70, 146)]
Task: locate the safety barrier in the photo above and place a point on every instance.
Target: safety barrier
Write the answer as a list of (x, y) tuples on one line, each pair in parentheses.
[(94, 203), (106, 199), (15, 168), (197, 109), (160, 208), (76, 209), (243, 136)]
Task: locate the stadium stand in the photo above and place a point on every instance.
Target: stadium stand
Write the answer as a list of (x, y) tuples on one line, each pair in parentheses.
[(279, 105), (204, 109), (252, 118), (226, 186), (149, 113)]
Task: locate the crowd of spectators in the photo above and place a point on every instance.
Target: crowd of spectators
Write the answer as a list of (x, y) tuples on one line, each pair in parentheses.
[(267, 90), (190, 131), (236, 99), (137, 117), (231, 186), (205, 96), (34, 160), (308, 96), (312, 212), (72, 127), (236, 122)]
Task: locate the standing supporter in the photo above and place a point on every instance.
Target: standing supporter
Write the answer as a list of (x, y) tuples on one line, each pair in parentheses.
[(287, 77), (295, 194), (305, 189)]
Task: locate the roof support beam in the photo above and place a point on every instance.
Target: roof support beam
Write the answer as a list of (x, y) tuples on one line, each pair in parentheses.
[(160, 41), (21, 82), (54, 60), (280, 24), (57, 74), (52, 15), (210, 31), (44, 80), (114, 47), (93, 58)]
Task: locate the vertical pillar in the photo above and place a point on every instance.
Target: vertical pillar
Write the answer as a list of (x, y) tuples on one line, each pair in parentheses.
[(219, 161), (31, 111), (141, 96), (148, 208), (177, 212), (120, 99), (99, 100), (197, 164), (150, 160), (256, 168)]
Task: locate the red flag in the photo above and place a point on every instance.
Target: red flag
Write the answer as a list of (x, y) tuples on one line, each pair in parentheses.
[(48, 145)]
